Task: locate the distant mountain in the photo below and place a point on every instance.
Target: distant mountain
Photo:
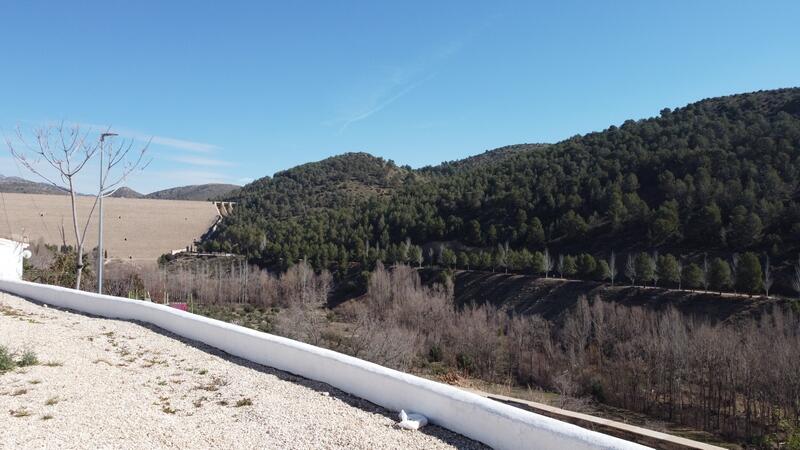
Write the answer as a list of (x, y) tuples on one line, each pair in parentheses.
[(200, 192), (126, 192), (22, 186)]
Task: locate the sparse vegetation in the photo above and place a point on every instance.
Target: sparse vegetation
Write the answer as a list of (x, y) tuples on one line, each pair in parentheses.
[(150, 362), (212, 385), (20, 412), (244, 402), (52, 401), (6, 360), (10, 361), (28, 358)]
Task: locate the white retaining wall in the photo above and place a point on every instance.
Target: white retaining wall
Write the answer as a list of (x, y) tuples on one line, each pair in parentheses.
[(493, 423)]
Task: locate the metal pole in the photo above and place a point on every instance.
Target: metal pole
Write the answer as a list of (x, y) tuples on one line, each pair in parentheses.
[(100, 257)]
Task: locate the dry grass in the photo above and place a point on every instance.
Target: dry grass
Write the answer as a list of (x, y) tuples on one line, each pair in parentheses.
[(20, 412), (135, 229), (244, 402)]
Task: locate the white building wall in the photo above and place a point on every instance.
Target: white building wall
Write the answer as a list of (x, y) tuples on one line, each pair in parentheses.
[(11, 255), (495, 424)]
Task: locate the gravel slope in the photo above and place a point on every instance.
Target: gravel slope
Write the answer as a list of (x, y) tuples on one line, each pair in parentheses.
[(117, 384)]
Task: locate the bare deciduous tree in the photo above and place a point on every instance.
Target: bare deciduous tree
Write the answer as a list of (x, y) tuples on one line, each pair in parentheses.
[(66, 150), (655, 275), (502, 256), (768, 280), (630, 269), (406, 250), (734, 270), (612, 267), (548, 263), (796, 278)]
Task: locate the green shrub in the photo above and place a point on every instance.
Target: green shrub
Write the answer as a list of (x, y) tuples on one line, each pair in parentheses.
[(244, 402), (28, 359), (465, 362), (6, 361), (435, 354)]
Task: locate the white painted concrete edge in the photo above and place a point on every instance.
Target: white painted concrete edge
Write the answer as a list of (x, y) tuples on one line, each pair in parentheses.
[(493, 423)]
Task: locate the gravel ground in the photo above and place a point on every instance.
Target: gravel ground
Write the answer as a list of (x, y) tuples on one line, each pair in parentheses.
[(104, 383)]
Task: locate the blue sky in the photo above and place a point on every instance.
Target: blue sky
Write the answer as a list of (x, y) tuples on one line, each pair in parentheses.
[(232, 91)]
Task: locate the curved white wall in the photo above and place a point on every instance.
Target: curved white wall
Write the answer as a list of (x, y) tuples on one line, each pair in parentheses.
[(493, 423)]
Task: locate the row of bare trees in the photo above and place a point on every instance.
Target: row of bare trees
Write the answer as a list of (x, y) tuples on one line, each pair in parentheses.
[(739, 379), (736, 379)]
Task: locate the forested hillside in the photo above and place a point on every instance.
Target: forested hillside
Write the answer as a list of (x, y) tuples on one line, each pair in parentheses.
[(708, 180)]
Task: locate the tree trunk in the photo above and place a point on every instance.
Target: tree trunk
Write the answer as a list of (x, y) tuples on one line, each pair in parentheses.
[(78, 240)]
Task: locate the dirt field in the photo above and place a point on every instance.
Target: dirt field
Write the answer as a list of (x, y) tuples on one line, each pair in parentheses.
[(135, 229)]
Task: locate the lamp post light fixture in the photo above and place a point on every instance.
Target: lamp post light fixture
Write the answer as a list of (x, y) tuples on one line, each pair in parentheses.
[(100, 256)]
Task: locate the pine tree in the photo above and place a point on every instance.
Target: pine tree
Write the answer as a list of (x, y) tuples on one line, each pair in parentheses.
[(570, 266), (667, 269), (586, 265), (693, 276), (644, 267), (719, 275), (535, 233), (463, 260), (750, 277)]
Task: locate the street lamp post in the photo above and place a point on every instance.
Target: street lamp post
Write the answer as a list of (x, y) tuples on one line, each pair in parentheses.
[(100, 256)]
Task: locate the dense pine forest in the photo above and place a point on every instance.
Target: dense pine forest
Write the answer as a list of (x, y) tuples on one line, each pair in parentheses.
[(701, 187)]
